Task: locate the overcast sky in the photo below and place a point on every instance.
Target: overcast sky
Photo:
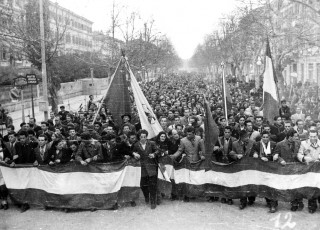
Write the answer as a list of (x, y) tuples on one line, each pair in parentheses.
[(185, 22)]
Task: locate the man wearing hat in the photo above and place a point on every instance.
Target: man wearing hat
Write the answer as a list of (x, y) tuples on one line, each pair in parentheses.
[(63, 113), (126, 120), (45, 130), (89, 150)]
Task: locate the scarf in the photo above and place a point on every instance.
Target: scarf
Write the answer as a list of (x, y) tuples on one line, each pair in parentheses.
[(267, 150)]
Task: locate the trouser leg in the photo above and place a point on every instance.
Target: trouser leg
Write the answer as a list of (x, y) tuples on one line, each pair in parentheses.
[(144, 185), (251, 200), (312, 204), (243, 201), (153, 188)]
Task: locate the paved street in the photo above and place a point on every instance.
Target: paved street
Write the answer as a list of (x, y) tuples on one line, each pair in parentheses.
[(70, 104), (197, 214)]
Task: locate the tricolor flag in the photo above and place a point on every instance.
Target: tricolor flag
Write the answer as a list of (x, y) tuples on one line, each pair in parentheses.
[(117, 98), (248, 177), (148, 119), (270, 91), (211, 131), (72, 185)]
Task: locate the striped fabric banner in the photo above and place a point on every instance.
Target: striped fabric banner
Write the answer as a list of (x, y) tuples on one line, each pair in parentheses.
[(249, 177), (72, 185)]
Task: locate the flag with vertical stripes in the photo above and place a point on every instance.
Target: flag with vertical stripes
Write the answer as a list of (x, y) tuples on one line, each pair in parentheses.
[(270, 91)]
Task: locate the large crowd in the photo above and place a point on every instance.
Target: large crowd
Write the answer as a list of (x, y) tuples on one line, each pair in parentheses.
[(178, 102)]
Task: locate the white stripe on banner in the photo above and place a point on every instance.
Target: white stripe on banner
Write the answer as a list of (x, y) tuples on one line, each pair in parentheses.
[(71, 183), (248, 177), (1, 179)]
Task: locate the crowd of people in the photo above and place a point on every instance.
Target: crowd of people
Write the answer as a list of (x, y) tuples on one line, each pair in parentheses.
[(178, 103)]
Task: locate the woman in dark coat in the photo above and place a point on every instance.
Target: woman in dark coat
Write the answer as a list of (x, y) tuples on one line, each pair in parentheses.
[(4, 153)]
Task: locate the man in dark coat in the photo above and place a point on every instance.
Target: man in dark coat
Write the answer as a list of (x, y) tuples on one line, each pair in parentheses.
[(284, 110), (264, 150), (147, 152)]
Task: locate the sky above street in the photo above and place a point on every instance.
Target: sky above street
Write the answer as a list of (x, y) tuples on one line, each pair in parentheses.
[(185, 22)]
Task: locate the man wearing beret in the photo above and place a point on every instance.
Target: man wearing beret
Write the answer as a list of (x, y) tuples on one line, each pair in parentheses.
[(63, 113), (89, 150)]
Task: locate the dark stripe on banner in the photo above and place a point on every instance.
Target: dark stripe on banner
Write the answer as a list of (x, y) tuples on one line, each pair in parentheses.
[(76, 166), (262, 191), (248, 163), (75, 201)]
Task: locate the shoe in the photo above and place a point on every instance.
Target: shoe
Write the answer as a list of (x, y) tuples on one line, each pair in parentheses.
[(24, 207), (294, 208), (146, 200), (45, 208), (250, 202), (223, 200), (186, 199), (1, 206), (230, 202), (300, 206), (133, 204), (242, 206), (173, 197), (273, 209), (115, 206), (93, 209), (66, 210), (158, 201), (312, 211), (153, 205), (210, 200), (215, 198)]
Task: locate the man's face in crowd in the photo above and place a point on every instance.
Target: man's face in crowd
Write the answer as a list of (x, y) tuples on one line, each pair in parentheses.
[(68, 119), (227, 133), (287, 126), (279, 120), (84, 128), (241, 111), (57, 120), (253, 106), (96, 127), (219, 110), (9, 129), (313, 137), (241, 121), (179, 129), (57, 131), (186, 113), (249, 126), (27, 126), (109, 129), (300, 125), (51, 115), (22, 139), (283, 104), (175, 134), (44, 127), (163, 122), (126, 129), (176, 114), (12, 138), (231, 119), (143, 137), (259, 121), (162, 137), (298, 110), (132, 139), (170, 114), (23, 127), (72, 132), (190, 135), (223, 122), (73, 147), (42, 141), (126, 119), (267, 128), (265, 138), (32, 121)]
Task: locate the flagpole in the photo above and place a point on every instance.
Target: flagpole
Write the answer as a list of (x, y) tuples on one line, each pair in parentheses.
[(224, 91)]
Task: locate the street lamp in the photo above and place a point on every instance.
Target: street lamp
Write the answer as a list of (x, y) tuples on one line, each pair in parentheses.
[(259, 63)]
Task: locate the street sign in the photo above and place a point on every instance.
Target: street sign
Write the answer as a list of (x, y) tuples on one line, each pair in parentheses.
[(32, 79), (20, 82), (15, 94)]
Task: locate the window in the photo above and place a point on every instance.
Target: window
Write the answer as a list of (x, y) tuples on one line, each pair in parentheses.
[(310, 71)]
